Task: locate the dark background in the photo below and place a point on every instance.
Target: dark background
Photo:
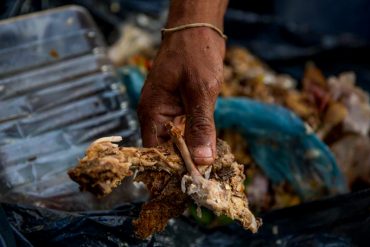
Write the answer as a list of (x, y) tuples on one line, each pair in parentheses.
[(334, 34), (324, 16)]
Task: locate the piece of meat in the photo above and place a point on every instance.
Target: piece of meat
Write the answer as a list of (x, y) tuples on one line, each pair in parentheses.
[(106, 165), (167, 201), (223, 192), (172, 179)]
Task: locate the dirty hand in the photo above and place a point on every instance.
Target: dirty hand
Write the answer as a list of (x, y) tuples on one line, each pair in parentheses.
[(185, 80)]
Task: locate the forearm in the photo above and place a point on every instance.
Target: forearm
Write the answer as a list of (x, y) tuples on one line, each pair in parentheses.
[(191, 11)]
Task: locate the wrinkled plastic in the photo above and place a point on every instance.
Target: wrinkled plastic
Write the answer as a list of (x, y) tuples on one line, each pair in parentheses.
[(25, 161), (280, 143), (40, 39), (340, 221), (53, 74), (283, 146), (46, 51), (53, 96), (58, 93), (60, 116)]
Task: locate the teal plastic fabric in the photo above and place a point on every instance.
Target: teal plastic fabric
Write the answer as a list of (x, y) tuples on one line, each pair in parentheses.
[(282, 146), (279, 142), (133, 79)]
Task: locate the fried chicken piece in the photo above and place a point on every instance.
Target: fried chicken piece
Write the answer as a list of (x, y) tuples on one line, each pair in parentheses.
[(166, 173)]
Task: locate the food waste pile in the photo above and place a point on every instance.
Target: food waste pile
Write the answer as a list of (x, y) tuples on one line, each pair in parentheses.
[(333, 107), (171, 177)]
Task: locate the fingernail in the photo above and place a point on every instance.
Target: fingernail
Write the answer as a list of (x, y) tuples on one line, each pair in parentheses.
[(203, 155), (202, 152)]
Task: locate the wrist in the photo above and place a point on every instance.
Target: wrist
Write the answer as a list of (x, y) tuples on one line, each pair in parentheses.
[(194, 11), (199, 34), (191, 39)]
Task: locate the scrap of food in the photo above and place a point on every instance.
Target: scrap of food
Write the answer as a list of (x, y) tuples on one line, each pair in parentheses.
[(334, 107), (171, 177)]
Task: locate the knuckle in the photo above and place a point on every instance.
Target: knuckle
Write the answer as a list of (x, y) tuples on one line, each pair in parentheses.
[(204, 81), (214, 85), (204, 88), (200, 124), (199, 132)]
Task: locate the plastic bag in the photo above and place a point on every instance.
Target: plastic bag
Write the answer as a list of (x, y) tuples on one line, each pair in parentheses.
[(339, 221), (282, 146), (58, 92)]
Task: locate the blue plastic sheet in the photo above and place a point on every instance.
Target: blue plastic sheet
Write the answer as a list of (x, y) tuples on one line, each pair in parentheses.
[(339, 221), (282, 145)]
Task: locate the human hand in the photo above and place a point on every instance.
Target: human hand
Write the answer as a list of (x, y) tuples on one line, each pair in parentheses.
[(185, 79)]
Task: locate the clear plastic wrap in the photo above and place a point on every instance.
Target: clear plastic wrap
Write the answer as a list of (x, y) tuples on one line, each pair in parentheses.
[(58, 92), (53, 96), (46, 51), (59, 116), (54, 74)]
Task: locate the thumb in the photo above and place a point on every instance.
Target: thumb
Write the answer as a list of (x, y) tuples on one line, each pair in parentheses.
[(200, 131)]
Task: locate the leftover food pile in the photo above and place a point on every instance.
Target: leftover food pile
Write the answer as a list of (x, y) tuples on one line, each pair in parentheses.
[(333, 107), (171, 177)]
